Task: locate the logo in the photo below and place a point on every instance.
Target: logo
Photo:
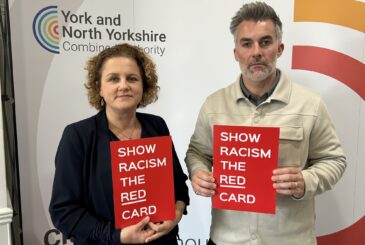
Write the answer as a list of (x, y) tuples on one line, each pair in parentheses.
[(61, 29), (45, 29)]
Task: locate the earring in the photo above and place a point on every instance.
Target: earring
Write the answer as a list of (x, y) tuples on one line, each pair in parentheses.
[(102, 102)]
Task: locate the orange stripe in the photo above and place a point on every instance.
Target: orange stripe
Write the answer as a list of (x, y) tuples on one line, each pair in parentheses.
[(347, 13)]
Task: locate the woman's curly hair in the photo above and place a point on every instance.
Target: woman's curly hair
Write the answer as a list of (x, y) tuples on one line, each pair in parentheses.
[(146, 66)]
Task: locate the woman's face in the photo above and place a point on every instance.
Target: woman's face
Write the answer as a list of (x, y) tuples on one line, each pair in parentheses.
[(121, 84)]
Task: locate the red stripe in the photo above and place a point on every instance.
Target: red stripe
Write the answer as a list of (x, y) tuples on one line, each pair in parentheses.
[(352, 235), (341, 67)]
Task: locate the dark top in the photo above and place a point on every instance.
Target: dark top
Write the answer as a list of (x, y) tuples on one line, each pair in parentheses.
[(81, 205)]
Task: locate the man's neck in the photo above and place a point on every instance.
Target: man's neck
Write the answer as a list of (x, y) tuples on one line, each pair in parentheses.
[(258, 88)]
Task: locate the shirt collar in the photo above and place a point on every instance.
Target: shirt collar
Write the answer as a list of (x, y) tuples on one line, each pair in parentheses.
[(257, 100)]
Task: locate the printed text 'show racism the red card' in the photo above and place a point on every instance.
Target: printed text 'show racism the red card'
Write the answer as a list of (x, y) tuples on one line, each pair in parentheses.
[(142, 180), (244, 160)]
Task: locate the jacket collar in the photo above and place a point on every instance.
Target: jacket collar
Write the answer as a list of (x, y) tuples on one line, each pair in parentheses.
[(281, 93)]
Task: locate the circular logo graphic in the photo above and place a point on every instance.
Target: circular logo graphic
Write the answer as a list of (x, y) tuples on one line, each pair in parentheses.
[(45, 29)]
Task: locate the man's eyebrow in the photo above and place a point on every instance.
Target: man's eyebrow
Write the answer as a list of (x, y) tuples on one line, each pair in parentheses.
[(266, 37), (245, 39)]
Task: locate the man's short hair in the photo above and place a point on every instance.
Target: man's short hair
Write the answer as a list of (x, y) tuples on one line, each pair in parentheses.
[(256, 11)]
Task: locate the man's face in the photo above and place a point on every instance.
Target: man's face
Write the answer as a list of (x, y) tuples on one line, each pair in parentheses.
[(257, 49)]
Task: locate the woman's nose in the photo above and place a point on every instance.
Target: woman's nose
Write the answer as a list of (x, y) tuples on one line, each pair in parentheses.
[(123, 85)]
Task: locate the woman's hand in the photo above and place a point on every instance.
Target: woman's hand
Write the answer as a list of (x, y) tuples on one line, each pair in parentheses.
[(137, 233), (165, 227)]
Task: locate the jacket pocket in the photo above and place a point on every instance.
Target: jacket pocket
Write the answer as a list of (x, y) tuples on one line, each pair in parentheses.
[(291, 146)]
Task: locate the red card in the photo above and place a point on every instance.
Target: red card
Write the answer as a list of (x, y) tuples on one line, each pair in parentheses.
[(143, 182), (244, 160)]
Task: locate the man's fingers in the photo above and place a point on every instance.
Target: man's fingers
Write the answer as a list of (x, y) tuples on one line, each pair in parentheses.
[(204, 176), (285, 178), (203, 191), (288, 170), (203, 183)]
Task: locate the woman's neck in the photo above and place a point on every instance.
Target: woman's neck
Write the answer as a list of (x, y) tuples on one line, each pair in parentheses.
[(123, 124), (123, 120)]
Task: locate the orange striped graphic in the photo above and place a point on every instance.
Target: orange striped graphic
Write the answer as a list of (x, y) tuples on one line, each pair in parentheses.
[(349, 13), (351, 72)]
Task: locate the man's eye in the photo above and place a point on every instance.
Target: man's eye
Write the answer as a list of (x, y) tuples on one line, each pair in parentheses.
[(265, 43)]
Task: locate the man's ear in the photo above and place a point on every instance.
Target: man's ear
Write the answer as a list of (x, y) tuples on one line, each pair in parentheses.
[(280, 50), (235, 54)]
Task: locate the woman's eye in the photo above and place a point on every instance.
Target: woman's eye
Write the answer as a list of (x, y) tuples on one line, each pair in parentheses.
[(114, 79), (132, 79)]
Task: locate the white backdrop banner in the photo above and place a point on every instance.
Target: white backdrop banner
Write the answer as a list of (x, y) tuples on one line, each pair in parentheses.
[(193, 50)]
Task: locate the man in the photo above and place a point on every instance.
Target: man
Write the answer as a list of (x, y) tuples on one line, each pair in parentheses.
[(311, 159)]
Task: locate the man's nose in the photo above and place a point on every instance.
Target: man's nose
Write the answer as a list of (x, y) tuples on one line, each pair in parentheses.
[(256, 50)]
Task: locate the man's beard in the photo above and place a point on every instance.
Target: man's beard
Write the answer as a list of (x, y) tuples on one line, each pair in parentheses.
[(258, 75)]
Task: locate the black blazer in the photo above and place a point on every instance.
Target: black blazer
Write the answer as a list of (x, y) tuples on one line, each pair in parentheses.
[(81, 205)]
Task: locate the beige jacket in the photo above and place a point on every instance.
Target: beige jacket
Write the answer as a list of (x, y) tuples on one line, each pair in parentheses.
[(307, 140)]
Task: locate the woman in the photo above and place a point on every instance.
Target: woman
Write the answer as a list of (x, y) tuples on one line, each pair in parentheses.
[(120, 80)]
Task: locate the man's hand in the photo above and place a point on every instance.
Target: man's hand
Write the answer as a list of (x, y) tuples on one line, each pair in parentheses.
[(203, 183), (289, 181)]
